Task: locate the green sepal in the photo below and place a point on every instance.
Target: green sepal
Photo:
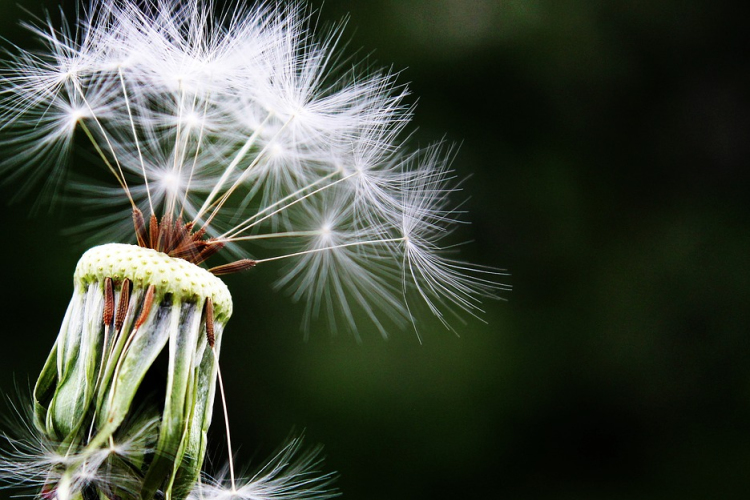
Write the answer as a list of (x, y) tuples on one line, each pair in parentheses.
[(78, 366), (128, 370), (179, 401), (44, 389), (204, 389)]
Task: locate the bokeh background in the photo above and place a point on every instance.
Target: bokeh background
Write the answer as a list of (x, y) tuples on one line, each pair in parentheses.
[(607, 144)]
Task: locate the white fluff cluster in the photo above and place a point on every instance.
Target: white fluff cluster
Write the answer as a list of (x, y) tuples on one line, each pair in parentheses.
[(57, 471), (290, 474), (254, 127)]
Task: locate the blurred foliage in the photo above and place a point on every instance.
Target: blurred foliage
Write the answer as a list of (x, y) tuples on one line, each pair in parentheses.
[(608, 147)]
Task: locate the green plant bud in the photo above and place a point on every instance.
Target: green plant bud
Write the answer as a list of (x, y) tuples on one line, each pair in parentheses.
[(136, 342)]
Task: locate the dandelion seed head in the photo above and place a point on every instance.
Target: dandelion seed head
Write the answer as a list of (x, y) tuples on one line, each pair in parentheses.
[(253, 126)]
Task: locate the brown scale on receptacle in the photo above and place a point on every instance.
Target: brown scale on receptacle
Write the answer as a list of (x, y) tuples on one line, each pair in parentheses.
[(148, 301), (109, 302), (209, 308), (122, 306)]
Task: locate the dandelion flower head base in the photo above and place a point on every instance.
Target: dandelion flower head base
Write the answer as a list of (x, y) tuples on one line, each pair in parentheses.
[(144, 267), (135, 313), (106, 423)]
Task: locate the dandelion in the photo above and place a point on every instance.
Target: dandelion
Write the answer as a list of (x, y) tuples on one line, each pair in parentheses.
[(242, 134)]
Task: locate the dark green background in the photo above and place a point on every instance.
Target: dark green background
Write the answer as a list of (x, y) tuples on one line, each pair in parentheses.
[(608, 143)]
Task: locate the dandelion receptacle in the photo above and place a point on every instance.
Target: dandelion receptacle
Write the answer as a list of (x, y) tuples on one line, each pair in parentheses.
[(232, 139), (129, 305)]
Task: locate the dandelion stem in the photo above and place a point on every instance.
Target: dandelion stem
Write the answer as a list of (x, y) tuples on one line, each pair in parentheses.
[(230, 168), (177, 167), (121, 177), (226, 423), (335, 247), (244, 174), (135, 138), (195, 157), (289, 234), (244, 226), (106, 161)]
